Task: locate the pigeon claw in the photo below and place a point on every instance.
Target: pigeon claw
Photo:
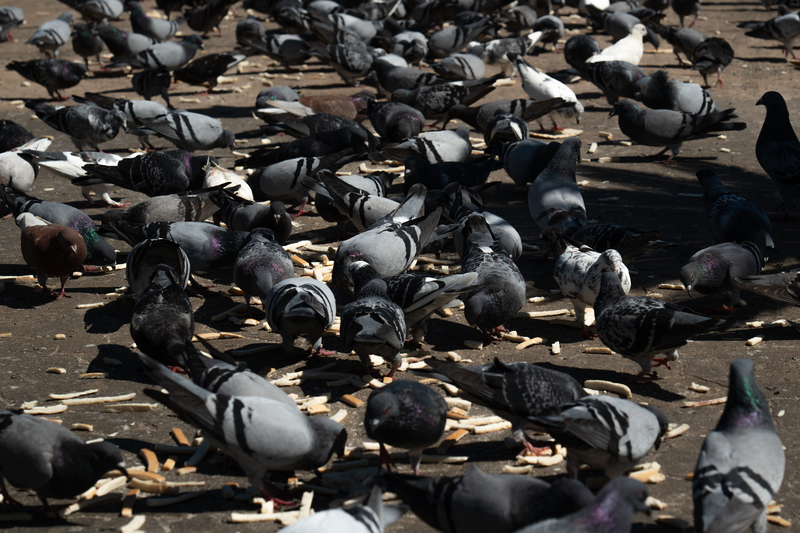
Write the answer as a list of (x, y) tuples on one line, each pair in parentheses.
[(322, 352), (585, 334), (662, 361)]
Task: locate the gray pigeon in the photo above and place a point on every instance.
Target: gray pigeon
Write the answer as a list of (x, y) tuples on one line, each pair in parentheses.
[(578, 271), (478, 502), (100, 10), (554, 198), (10, 18), (783, 287), (137, 112), (189, 131), (260, 264), (169, 55), (435, 146), (86, 43), (526, 109), (411, 45), (260, 434), (641, 327), (301, 307), (504, 128), (370, 518), (123, 44), (374, 325), (518, 18), (463, 206), (730, 217), (778, 150), (395, 121), (279, 92), (52, 74), (514, 391), (664, 127), (151, 82), (391, 77), (657, 91), (240, 214), (611, 511), (155, 28), (713, 270), (617, 79), (733, 486), (605, 432), (524, 160), (435, 100), (454, 38), (349, 62), (683, 40), (84, 124), (50, 36), (467, 66), (149, 254), (502, 287), (166, 208), (163, 319), (783, 29), (50, 459), (712, 56), (405, 414)]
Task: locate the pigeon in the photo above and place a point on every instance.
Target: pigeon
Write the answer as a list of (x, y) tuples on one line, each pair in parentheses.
[(454, 38), (612, 510), (630, 243), (467, 66), (524, 160), (358, 518), (615, 78), (730, 217), (98, 250), (435, 100), (137, 112), (578, 49), (664, 127), (477, 502), (419, 296), (218, 177), (16, 169), (554, 198), (208, 16), (630, 49), (323, 143), (50, 36), (434, 146), (100, 10), (524, 108), (183, 207), (657, 91), (86, 43), (514, 391), (605, 432), (10, 18), (349, 62), (782, 287), (503, 232), (350, 107), (395, 121), (733, 486), (52, 251), (163, 319), (151, 82), (502, 287), (12, 135), (712, 270), (411, 45), (156, 173), (260, 434), (300, 307), (619, 25), (260, 264), (504, 50), (685, 8), (578, 271), (405, 414), (169, 55), (504, 128), (552, 28), (189, 131), (712, 55), (240, 214), (121, 43), (641, 327), (149, 254), (278, 92), (50, 459), (391, 78), (777, 148), (683, 40), (52, 74), (518, 18), (206, 69), (207, 246), (439, 175), (374, 325), (155, 28), (540, 86), (783, 29), (86, 125)]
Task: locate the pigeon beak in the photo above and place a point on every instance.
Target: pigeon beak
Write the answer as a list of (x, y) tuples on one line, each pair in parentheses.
[(612, 113), (123, 468), (689, 290)]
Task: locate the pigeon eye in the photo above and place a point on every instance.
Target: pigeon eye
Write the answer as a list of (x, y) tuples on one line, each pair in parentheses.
[(386, 410)]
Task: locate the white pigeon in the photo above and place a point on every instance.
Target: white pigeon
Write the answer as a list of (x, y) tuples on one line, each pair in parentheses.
[(502, 50), (540, 86), (216, 175), (578, 272), (16, 171), (628, 49)]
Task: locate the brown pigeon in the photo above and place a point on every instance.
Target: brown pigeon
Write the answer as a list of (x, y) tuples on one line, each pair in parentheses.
[(53, 251)]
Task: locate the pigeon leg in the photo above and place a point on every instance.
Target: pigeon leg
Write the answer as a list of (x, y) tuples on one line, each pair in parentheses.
[(63, 293), (385, 459), (11, 38), (8, 501), (693, 22), (277, 501), (530, 449), (662, 361), (302, 209), (322, 352), (586, 334), (719, 79), (90, 268)]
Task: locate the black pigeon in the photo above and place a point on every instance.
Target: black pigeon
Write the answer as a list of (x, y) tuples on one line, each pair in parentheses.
[(121, 43), (433, 101), (686, 8), (710, 56), (12, 135), (156, 173), (611, 511), (163, 319), (155, 28), (391, 78), (778, 150), (243, 215), (52, 74), (408, 415), (151, 82), (50, 459), (617, 79), (260, 264), (395, 121), (208, 16), (478, 502), (730, 217), (439, 175), (732, 485), (206, 69), (322, 144), (86, 43), (526, 109), (641, 327), (524, 160), (149, 255), (514, 391)]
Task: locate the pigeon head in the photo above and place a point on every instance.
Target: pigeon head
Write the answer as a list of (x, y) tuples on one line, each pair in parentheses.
[(194, 40), (747, 406), (98, 250), (625, 109), (773, 100), (382, 407), (610, 290), (260, 235), (652, 87), (555, 240), (227, 140), (639, 30), (663, 423), (164, 276), (620, 495), (361, 273), (331, 438), (704, 272), (611, 260), (106, 457), (580, 48), (404, 96), (689, 276)]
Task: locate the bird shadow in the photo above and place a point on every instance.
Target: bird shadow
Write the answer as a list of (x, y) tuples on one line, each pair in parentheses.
[(108, 318)]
